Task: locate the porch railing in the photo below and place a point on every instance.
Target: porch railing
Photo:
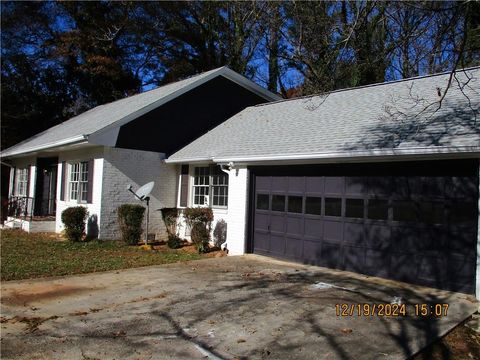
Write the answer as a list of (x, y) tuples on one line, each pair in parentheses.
[(21, 207)]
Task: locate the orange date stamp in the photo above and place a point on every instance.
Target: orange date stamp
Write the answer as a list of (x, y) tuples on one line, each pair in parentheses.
[(391, 310)]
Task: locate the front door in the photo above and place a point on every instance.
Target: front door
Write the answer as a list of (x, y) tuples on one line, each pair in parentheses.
[(46, 188)]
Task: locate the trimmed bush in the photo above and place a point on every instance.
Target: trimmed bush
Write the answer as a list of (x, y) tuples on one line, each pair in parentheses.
[(220, 233), (73, 218), (200, 221), (174, 242), (200, 237), (170, 216), (130, 219)]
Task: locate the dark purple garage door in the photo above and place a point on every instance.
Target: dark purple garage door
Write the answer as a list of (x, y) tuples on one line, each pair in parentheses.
[(414, 222)]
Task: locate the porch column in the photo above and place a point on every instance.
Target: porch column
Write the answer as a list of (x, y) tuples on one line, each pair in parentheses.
[(477, 277)]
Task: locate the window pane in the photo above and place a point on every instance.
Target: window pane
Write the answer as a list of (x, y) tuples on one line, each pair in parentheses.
[(278, 202), (354, 208), (333, 207), (219, 195), (313, 205), (432, 212), (263, 202), (378, 209), (84, 191), (295, 204), (404, 210)]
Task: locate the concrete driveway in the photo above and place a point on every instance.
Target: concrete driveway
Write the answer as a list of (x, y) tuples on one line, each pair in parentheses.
[(227, 308)]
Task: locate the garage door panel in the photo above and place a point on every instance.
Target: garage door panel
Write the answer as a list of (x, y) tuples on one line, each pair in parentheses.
[(277, 223), (334, 185), (262, 183), (313, 228), (331, 255), (354, 259), (378, 237), (432, 267), (279, 184), (377, 262), (356, 186), (277, 244), (461, 187), (354, 234), (261, 222), (294, 248), (312, 250), (262, 241), (333, 230), (314, 185), (380, 186), (294, 227), (417, 226), (296, 184)]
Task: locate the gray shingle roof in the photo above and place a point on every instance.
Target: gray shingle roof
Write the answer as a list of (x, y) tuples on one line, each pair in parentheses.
[(114, 113), (398, 116)]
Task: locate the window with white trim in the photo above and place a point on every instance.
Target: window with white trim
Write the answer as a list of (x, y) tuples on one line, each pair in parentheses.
[(210, 186), (78, 181), (22, 182)]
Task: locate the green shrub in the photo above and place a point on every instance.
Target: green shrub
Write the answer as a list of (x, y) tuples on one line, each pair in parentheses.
[(73, 218), (174, 242), (200, 221), (220, 233), (130, 219), (202, 215), (200, 237), (170, 216)]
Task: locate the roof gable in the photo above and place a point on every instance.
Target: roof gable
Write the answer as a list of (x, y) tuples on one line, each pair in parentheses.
[(396, 117), (99, 124)]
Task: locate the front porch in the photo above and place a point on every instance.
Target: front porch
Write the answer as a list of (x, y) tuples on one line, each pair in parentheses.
[(35, 211)]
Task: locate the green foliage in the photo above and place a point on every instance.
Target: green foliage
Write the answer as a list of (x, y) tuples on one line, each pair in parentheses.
[(73, 219), (220, 233), (26, 256), (202, 215), (200, 221), (200, 237), (170, 217), (174, 242), (130, 219)]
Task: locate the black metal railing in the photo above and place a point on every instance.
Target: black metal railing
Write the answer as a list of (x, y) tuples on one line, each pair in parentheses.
[(21, 207)]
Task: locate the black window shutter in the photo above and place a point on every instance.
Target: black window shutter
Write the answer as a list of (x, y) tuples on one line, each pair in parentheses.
[(28, 181), (63, 182), (184, 186), (90, 181)]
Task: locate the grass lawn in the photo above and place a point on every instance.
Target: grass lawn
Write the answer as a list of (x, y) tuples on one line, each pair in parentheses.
[(25, 256)]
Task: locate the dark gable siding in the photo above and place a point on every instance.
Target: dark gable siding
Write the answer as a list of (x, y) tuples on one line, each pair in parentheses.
[(182, 120)]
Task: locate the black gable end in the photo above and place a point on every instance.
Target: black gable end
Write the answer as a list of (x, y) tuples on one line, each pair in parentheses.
[(175, 124)]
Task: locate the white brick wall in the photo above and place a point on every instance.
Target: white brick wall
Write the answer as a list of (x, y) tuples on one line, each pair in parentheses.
[(123, 167), (95, 153), (235, 215)]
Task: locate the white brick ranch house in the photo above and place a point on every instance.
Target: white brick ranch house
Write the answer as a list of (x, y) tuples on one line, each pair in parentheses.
[(92, 158), (378, 179)]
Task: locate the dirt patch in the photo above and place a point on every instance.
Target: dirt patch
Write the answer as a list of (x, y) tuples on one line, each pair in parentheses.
[(31, 323), (461, 343), (41, 293)]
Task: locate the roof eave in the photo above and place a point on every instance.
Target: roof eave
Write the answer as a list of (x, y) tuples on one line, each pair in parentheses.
[(70, 141), (374, 154)]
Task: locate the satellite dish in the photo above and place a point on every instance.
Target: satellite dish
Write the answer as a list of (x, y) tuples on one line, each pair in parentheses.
[(145, 190), (142, 195)]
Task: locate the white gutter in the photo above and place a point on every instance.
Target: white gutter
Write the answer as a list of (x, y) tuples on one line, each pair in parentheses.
[(69, 141), (473, 151)]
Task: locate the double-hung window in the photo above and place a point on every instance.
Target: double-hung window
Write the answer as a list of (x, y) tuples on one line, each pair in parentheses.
[(78, 181), (210, 186), (22, 182)]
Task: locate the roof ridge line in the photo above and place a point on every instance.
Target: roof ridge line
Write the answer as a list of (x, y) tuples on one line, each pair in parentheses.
[(369, 85)]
